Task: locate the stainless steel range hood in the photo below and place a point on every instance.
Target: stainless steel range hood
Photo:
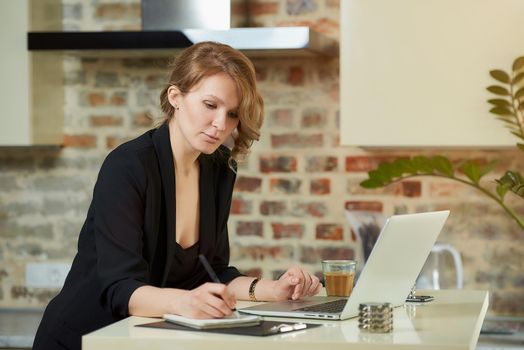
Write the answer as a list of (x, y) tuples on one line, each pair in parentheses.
[(162, 32)]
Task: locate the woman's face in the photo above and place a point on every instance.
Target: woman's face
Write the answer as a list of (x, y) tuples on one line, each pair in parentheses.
[(207, 114)]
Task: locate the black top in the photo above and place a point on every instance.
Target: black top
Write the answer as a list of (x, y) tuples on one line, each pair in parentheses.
[(128, 238), (186, 271)]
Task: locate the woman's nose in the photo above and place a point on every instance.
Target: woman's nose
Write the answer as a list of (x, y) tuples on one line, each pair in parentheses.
[(220, 121)]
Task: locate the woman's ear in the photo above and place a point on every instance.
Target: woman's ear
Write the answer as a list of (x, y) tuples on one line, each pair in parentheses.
[(173, 93)]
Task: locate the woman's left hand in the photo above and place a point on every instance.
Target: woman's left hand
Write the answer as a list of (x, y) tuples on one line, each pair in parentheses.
[(296, 283)]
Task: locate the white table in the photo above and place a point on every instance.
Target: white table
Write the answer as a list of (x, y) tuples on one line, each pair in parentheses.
[(451, 322)]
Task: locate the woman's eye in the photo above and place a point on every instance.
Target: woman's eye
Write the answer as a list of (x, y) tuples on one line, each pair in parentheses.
[(232, 115), (210, 105)]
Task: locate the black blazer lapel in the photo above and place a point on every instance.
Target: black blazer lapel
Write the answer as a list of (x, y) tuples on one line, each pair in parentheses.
[(165, 157), (207, 200)]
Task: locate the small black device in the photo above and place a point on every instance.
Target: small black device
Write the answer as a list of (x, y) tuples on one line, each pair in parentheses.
[(419, 298)]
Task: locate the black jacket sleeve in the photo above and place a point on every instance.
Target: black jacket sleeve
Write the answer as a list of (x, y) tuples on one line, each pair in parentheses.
[(118, 220)]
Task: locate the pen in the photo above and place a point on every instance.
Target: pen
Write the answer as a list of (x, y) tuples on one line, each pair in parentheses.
[(213, 275)]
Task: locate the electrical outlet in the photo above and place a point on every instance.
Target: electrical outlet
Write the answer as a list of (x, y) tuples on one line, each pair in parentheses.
[(46, 275)]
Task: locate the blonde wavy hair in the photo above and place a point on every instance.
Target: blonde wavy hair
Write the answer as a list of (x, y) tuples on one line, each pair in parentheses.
[(208, 58)]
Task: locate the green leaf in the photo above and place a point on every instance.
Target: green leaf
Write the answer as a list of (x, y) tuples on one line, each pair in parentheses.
[(405, 165), (518, 63), (387, 171), (498, 90), (422, 164), (515, 181), (500, 75), (488, 167), (518, 78), (508, 120), (520, 145), (502, 189), (443, 165), (472, 171), (519, 93), (371, 183), (499, 102), (518, 134), (501, 111), (377, 175)]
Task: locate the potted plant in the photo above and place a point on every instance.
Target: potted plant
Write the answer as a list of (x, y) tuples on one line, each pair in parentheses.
[(508, 107)]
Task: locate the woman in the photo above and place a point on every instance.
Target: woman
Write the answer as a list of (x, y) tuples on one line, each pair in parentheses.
[(161, 200)]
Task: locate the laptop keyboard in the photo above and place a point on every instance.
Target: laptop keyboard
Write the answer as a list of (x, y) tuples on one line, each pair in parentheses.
[(330, 307)]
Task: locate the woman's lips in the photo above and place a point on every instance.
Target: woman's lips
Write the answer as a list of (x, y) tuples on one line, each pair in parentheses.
[(211, 139)]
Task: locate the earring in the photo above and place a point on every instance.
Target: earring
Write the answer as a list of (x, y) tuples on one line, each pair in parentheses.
[(176, 107)]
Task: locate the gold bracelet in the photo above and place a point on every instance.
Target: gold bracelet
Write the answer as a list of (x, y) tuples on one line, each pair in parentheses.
[(252, 289)]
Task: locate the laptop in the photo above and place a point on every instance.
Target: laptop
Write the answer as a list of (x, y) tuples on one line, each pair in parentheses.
[(390, 272)]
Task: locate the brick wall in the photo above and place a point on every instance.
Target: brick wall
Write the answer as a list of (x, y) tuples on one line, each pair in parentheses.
[(289, 200)]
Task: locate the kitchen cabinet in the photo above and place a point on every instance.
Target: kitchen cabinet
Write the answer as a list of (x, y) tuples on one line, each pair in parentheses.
[(414, 73), (31, 89)]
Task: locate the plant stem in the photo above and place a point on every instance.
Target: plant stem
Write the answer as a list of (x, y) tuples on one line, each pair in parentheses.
[(508, 210)]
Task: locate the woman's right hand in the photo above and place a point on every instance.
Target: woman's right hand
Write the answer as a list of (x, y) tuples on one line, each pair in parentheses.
[(210, 300)]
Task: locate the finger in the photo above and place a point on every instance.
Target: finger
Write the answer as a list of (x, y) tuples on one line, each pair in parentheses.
[(219, 297), (314, 286), (218, 304), (308, 281), (229, 298), (297, 290), (207, 310)]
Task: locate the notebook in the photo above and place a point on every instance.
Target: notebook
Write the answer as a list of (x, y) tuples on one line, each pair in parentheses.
[(210, 323), (390, 272)]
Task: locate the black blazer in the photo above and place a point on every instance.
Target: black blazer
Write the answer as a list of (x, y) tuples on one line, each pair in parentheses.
[(128, 238)]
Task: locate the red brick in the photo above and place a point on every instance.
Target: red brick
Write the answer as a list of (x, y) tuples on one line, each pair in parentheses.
[(411, 188), (314, 118), (282, 117), (143, 119), (295, 140), (507, 302), (154, 81), (449, 189), (261, 73), (118, 99), (278, 208), (333, 3), (238, 9), (287, 230), (241, 206), (364, 205), (307, 209), (105, 120), (320, 186), (112, 142), (365, 163), (254, 272), (311, 255), (296, 76), (248, 184), (117, 11), (287, 186), (334, 92), (96, 99), (256, 252), (250, 228), (80, 141), (263, 8), (333, 232), (321, 164), (284, 164)]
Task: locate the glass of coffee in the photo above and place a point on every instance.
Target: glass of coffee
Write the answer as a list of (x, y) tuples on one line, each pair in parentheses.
[(339, 276)]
